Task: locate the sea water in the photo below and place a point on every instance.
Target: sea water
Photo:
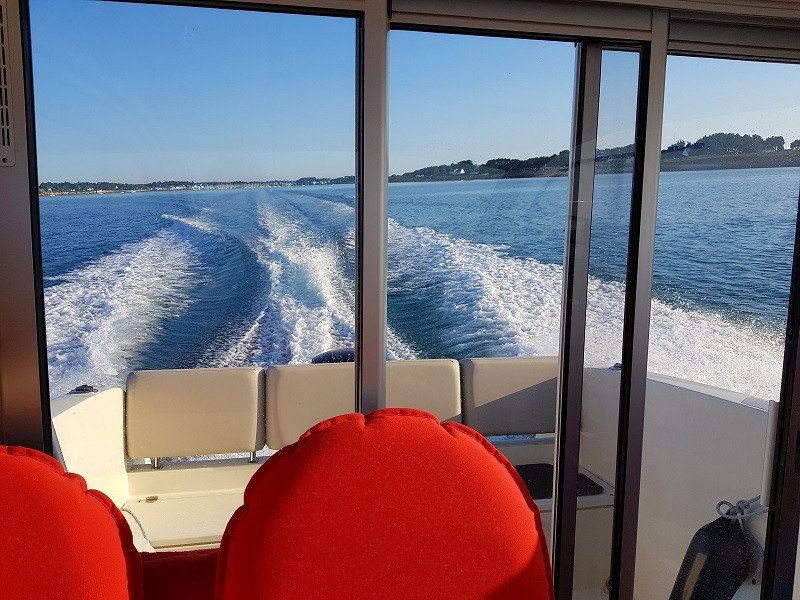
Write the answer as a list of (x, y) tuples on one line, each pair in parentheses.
[(180, 279)]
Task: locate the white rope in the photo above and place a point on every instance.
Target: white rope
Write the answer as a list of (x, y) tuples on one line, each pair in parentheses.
[(743, 509)]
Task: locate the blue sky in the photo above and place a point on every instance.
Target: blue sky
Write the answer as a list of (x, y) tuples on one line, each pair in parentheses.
[(135, 93), (129, 92)]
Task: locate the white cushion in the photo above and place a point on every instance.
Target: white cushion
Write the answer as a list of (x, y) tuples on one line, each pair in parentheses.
[(506, 396), (187, 412), (300, 396)]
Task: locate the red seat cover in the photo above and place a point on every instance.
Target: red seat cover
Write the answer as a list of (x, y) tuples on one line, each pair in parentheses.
[(182, 575), (58, 540), (388, 506)]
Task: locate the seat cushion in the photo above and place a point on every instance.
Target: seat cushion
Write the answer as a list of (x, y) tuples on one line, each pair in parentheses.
[(60, 540), (510, 395), (392, 505), (186, 412), (299, 396)]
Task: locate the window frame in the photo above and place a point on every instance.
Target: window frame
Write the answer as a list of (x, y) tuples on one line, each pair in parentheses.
[(766, 30)]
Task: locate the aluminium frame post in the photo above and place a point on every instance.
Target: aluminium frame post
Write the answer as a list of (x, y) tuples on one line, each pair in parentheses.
[(583, 150), (371, 208), (638, 294), (780, 547)]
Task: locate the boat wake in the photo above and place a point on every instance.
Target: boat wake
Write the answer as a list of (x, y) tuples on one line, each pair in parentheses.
[(103, 312), (308, 305), (190, 222), (448, 297), (485, 302)]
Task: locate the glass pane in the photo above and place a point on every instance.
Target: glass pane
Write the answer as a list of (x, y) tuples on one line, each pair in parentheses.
[(222, 256), (726, 224), (196, 173), (477, 208), (611, 209)]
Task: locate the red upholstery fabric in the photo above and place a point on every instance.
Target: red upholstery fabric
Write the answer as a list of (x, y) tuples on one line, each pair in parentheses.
[(179, 575), (392, 505), (58, 540)]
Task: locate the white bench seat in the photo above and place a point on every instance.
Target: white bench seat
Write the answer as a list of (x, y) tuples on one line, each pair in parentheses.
[(189, 412)]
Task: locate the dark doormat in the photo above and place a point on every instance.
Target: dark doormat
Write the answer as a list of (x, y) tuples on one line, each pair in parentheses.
[(538, 478)]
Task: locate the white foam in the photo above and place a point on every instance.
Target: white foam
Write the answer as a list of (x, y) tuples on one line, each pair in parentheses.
[(104, 311), (715, 350), (484, 295), (505, 306), (309, 307), (195, 223), (243, 351)]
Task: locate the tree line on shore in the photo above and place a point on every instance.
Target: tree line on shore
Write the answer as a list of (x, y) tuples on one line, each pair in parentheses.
[(733, 143), (724, 145), (716, 144)]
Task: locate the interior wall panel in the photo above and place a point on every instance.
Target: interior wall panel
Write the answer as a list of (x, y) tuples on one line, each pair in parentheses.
[(547, 17), (20, 383), (713, 37)]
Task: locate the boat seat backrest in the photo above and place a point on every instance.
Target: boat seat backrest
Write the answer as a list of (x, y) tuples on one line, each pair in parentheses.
[(300, 396), (427, 510), (60, 540), (508, 396), (189, 412)]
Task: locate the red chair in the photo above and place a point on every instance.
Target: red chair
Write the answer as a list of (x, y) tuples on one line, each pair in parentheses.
[(392, 505), (58, 539)]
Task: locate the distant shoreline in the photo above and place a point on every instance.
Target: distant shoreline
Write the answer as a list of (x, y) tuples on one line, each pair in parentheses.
[(100, 188), (723, 162), (109, 192)]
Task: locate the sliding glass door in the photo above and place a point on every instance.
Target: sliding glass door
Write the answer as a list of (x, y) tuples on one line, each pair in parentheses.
[(728, 195)]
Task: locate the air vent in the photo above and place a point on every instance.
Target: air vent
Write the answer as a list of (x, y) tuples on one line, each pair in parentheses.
[(6, 129)]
